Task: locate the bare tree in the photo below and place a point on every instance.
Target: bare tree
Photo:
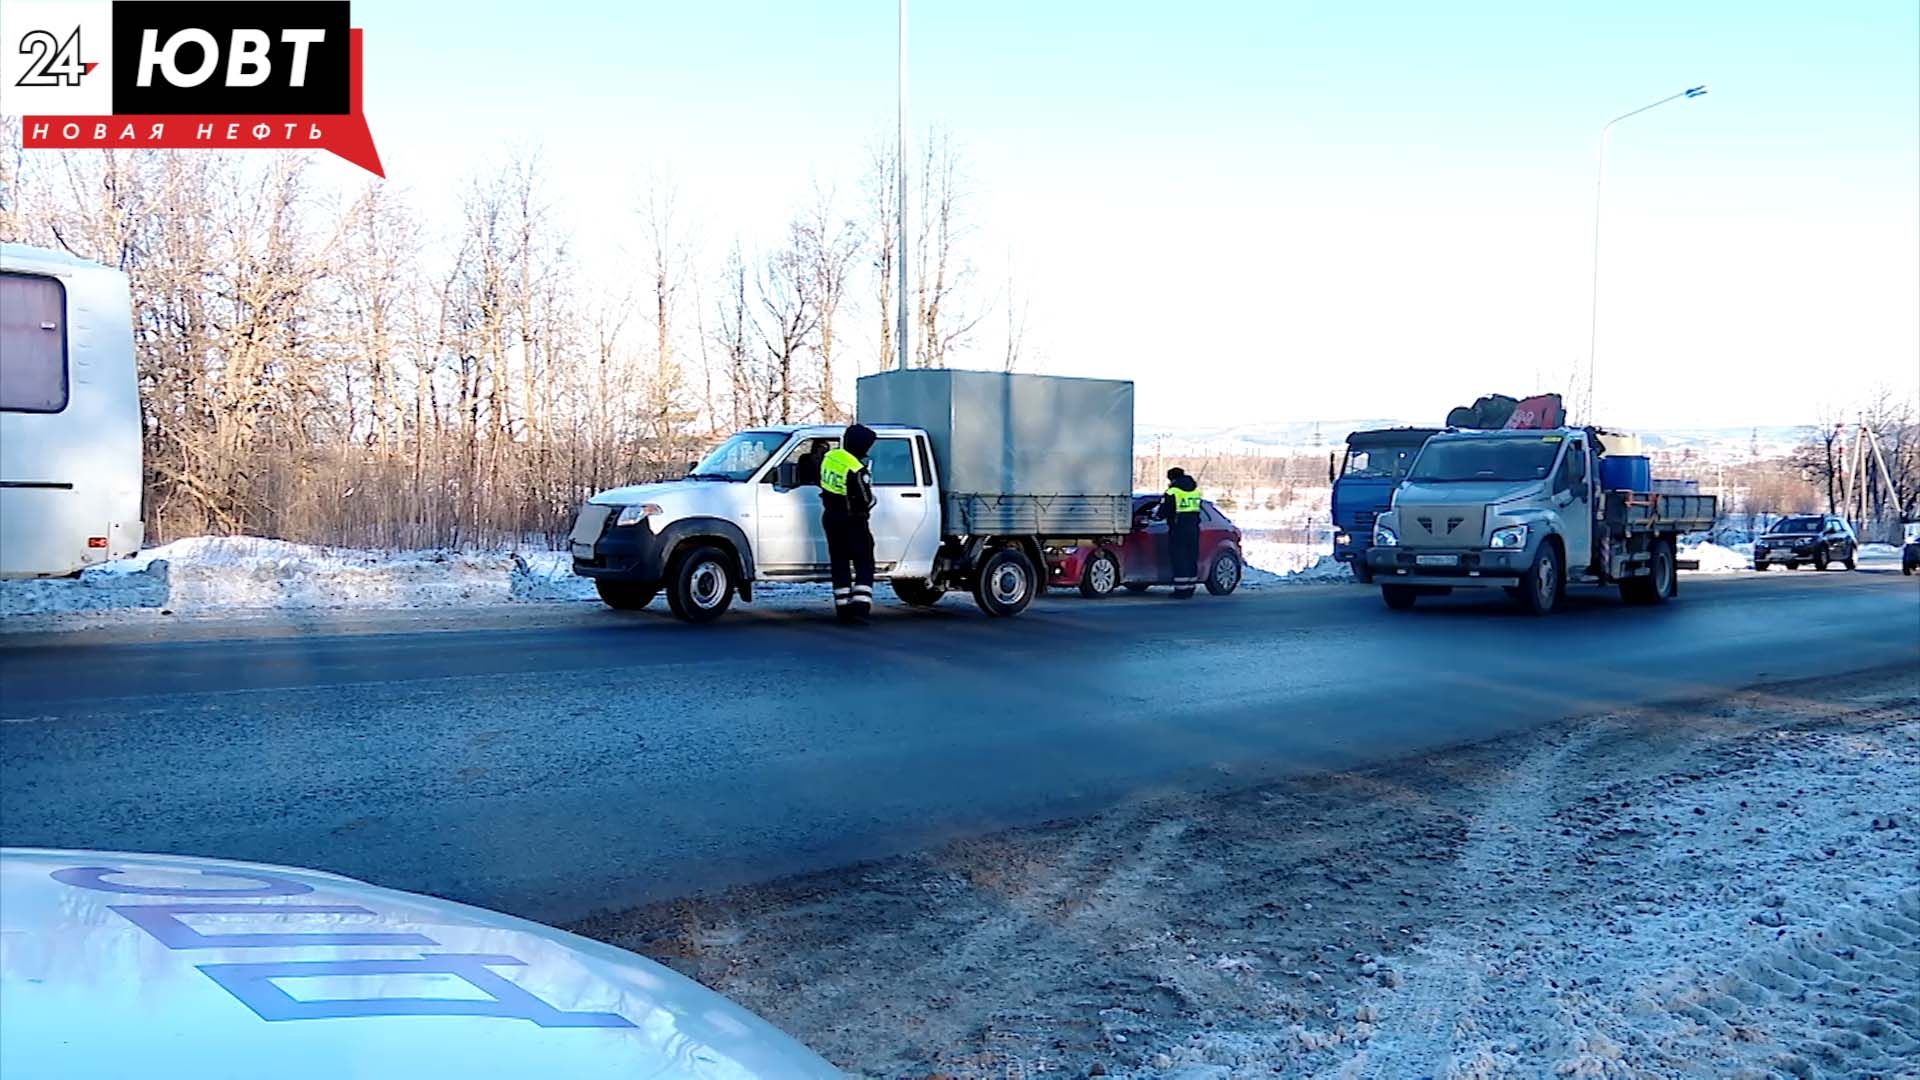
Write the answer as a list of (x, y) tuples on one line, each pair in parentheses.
[(829, 244), (789, 313), (943, 324), (883, 187)]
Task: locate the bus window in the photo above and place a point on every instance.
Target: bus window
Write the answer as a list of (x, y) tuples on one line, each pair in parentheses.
[(33, 344)]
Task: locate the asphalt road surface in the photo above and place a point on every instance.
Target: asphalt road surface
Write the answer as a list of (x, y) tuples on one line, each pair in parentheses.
[(559, 760)]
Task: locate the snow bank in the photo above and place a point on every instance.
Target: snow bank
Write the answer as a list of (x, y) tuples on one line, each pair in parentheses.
[(1275, 562), (1718, 558), (248, 573)]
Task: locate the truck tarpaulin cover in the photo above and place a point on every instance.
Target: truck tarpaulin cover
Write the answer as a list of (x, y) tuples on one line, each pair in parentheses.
[(1496, 411), (1018, 453)]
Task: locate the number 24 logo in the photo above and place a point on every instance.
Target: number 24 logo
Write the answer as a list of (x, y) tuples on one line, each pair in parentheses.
[(55, 63)]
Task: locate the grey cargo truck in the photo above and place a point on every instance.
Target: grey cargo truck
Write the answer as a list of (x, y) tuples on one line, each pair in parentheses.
[(1531, 512), (974, 473)]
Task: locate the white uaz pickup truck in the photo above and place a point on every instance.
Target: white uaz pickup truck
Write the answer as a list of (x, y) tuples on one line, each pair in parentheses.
[(975, 475)]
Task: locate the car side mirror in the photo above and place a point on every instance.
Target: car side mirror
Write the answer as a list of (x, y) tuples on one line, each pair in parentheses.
[(787, 475), (688, 471)]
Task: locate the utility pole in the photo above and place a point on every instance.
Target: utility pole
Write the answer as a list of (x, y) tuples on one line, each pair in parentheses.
[(900, 176)]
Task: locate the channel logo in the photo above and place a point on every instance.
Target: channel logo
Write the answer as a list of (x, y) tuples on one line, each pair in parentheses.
[(186, 74)]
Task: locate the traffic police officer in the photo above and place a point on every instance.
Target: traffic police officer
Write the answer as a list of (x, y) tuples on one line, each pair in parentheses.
[(1180, 508), (846, 503)]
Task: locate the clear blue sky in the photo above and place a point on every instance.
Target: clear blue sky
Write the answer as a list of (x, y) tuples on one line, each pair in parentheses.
[(1267, 210)]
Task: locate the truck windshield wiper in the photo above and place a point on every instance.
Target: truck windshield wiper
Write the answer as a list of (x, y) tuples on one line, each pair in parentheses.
[(708, 476)]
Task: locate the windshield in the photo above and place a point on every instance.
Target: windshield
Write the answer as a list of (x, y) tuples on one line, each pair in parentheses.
[(1380, 462), (1796, 525), (1513, 459), (739, 457)]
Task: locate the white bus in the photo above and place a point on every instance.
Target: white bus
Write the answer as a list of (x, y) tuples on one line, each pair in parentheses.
[(70, 477)]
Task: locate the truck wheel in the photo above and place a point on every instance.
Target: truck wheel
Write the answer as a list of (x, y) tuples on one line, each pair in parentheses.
[(1820, 559), (1137, 587), (1540, 591), (1101, 576), (1660, 583), (625, 595), (915, 592), (1004, 583), (1362, 573), (1399, 597), (700, 584), (1224, 575)]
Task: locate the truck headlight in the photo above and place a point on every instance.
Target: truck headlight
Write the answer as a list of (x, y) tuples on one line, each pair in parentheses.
[(1384, 536), (634, 515), (1341, 539), (1509, 537)]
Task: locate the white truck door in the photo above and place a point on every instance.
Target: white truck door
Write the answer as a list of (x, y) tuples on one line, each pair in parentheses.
[(902, 502), (1573, 496), (787, 534)]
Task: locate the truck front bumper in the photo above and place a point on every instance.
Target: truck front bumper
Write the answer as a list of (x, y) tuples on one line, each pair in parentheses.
[(623, 553), (1460, 568), (1349, 548)]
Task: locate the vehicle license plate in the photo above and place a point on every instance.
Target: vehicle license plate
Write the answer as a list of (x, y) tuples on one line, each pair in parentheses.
[(1437, 560)]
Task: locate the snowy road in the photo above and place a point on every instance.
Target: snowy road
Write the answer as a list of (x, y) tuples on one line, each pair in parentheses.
[(560, 760)]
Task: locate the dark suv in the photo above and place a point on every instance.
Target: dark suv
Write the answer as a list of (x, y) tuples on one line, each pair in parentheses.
[(1815, 539)]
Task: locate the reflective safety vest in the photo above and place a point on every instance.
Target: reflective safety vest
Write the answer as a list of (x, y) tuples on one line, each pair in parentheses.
[(834, 470), (1184, 501)]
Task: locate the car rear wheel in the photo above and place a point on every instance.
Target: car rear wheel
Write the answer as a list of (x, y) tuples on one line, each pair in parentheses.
[(1004, 586), (1852, 563), (1399, 597), (1761, 564), (1224, 575), (625, 595), (700, 585), (1101, 576), (915, 592)]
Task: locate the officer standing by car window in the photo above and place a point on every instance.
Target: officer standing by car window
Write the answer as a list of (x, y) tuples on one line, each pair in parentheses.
[(846, 503), (1180, 508)]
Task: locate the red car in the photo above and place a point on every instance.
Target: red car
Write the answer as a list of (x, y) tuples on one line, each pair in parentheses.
[(1139, 561)]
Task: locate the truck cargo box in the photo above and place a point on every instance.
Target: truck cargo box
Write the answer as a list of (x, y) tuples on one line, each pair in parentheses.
[(1018, 454)]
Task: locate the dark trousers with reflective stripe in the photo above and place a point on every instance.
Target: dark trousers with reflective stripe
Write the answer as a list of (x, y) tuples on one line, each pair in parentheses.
[(850, 556), (1183, 545)]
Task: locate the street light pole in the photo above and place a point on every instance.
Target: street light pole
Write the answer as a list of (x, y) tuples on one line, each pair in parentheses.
[(1599, 187), (900, 208)]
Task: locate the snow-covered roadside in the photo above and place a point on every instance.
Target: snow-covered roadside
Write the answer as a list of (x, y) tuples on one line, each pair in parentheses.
[(1727, 889), (1277, 562), (244, 575)]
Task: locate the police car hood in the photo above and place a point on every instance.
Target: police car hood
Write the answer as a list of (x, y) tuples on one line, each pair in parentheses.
[(150, 965)]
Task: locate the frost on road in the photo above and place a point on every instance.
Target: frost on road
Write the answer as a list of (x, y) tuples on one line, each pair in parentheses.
[(1725, 889)]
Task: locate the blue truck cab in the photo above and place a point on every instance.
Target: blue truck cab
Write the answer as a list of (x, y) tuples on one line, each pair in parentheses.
[(1363, 483)]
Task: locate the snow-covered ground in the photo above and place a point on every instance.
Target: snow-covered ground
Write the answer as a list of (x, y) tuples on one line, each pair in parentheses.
[(1725, 889), (245, 574)]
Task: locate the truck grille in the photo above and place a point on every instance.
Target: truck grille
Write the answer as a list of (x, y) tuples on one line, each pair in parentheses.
[(1363, 525), (1451, 526), (591, 522)]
